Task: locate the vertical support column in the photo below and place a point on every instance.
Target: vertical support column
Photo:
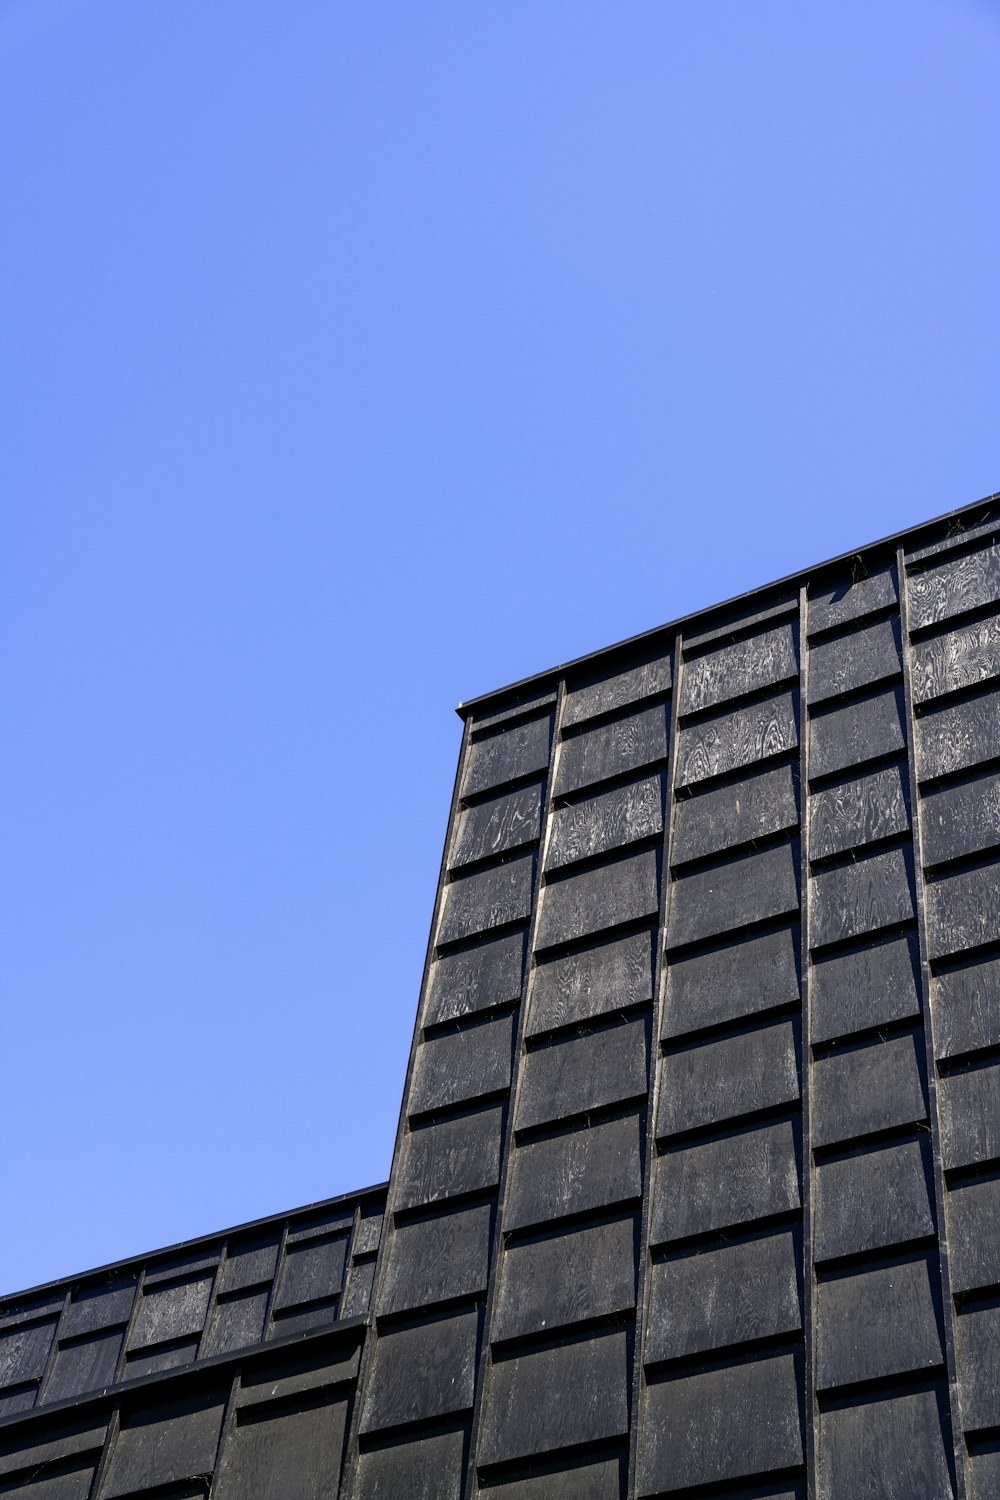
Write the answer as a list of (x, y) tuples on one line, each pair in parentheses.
[(811, 1411), (718, 1402), (554, 1419)]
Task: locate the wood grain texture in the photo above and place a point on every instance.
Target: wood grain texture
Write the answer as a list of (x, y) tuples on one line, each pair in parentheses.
[(647, 680), (856, 732), (24, 1353), (165, 1445), (296, 1453), (720, 1425), (733, 1180), (951, 588), (86, 1365), (872, 1201), (593, 982), (744, 667), (747, 976), (624, 890), (956, 531), (490, 898), (583, 1073), (587, 1481), (551, 1283), (966, 1005), (873, 893), (868, 655), (614, 749), (726, 624), (858, 812), (31, 1450), (973, 1242), (312, 1271), (586, 1169), (236, 1323), (963, 911), (853, 991), (958, 736), (451, 1157), (742, 737), (732, 1076), (171, 1311), (555, 1398), (877, 1323), (250, 1262), (427, 1467), (74, 1485), (433, 1259), (462, 1065), (422, 1372), (608, 821), (521, 750), (476, 979), (532, 704), (893, 1448), (506, 822), (717, 1298), (100, 1306), (851, 598), (957, 821), (958, 659), (751, 888), (734, 814), (978, 1339), (970, 1116), (873, 1087)]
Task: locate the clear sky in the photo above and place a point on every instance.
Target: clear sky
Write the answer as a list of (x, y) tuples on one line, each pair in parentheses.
[(358, 359)]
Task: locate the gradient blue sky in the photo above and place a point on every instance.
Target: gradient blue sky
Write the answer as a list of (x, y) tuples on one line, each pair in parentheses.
[(358, 359)]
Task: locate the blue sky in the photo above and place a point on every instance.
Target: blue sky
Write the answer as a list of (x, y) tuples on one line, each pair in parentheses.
[(359, 359)]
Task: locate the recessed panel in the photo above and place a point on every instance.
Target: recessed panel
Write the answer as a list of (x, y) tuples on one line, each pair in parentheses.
[(877, 1323), (870, 653), (958, 736), (963, 911), (720, 1079), (613, 749), (290, 1453), (449, 1158), (961, 820), (503, 823), (857, 732), (970, 1116), (421, 1372), (958, 659), (171, 1311), (490, 898), (746, 666), (734, 814), (476, 979), (166, 1445), (887, 1448), (462, 1065), (436, 1258), (566, 1277), (978, 1339), (720, 1297), (624, 890), (422, 1468), (85, 1364), (742, 737), (312, 1271), (583, 1073), (868, 895), (611, 820), (871, 1201), (737, 980), (24, 1353), (967, 1008), (974, 1234), (592, 982), (735, 1179), (556, 1398), (851, 598), (522, 750), (647, 680), (582, 1170), (864, 1089), (749, 889), (869, 987), (858, 812), (951, 588), (720, 1425)]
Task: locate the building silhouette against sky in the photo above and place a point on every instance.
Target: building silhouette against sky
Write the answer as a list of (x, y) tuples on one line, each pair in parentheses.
[(696, 1190)]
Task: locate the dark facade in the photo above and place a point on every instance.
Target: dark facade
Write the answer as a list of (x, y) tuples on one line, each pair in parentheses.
[(696, 1190)]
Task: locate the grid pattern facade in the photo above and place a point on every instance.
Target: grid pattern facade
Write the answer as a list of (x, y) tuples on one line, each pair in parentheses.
[(696, 1190)]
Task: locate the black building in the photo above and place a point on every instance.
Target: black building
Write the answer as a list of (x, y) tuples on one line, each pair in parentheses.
[(696, 1190)]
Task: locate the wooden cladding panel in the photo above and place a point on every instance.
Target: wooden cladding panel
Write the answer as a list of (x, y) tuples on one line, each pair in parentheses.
[(745, 667)]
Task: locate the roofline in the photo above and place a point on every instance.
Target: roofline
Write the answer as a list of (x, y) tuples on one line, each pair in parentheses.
[(547, 679), (21, 1294)]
